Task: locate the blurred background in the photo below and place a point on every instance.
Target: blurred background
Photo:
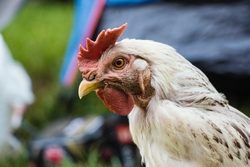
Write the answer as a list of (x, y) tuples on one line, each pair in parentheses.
[(40, 38)]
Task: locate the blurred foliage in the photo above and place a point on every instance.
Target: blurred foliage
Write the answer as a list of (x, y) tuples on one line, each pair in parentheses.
[(92, 160), (58, 1), (16, 161), (241, 103), (38, 38)]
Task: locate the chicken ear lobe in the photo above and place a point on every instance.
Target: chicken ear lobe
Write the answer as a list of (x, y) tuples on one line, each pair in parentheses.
[(144, 79)]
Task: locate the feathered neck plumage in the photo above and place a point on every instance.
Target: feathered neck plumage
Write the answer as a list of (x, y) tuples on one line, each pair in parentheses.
[(173, 77)]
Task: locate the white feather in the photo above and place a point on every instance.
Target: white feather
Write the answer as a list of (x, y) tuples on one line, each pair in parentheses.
[(187, 123)]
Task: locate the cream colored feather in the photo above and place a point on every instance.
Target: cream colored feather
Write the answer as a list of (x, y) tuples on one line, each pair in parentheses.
[(187, 123)]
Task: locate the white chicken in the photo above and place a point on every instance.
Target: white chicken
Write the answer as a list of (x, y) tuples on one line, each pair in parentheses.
[(177, 118)]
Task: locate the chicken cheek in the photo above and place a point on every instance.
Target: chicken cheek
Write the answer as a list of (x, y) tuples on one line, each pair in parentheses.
[(117, 101)]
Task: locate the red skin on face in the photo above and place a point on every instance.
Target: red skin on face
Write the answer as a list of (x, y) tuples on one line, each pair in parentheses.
[(117, 101)]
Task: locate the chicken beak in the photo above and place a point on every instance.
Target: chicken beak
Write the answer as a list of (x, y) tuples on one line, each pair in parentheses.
[(86, 87)]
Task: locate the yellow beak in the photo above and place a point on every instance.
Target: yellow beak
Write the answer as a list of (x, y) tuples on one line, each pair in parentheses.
[(86, 87)]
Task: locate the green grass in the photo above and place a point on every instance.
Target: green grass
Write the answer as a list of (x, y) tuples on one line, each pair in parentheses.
[(38, 37), (90, 161)]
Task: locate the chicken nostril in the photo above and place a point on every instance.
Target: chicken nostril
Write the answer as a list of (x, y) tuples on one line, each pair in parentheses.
[(91, 76)]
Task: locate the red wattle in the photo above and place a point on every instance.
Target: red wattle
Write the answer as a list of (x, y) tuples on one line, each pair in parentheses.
[(117, 101)]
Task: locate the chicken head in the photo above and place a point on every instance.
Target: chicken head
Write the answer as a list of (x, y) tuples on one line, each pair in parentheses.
[(120, 80)]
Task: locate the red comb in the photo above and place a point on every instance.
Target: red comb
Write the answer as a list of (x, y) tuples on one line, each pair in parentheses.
[(94, 49)]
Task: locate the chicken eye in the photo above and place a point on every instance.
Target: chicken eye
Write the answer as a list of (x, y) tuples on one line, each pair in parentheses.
[(119, 63)]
